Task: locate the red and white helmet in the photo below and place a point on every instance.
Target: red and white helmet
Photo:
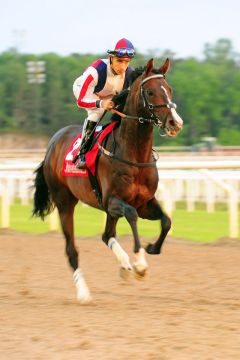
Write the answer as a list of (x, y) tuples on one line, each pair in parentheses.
[(123, 48)]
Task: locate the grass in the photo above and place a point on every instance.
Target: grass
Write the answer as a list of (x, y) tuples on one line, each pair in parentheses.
[(195, 226), (200, 225)]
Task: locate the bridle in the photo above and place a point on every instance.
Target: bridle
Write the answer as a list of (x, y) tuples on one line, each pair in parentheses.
[(153, 119), (156, 121)]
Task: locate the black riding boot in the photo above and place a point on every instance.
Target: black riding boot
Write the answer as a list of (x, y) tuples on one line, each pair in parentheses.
[(85, 144)]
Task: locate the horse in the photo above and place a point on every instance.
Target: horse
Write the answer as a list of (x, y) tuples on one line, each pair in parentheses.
[(126, 174)]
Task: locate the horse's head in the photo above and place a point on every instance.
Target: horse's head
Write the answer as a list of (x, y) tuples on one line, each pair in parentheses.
[(155, 99)]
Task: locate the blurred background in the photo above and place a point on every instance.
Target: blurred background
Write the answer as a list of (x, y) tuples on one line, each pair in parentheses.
[(45, 46)]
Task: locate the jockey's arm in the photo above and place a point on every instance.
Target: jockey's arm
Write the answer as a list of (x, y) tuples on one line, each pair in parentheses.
[(83, 89)]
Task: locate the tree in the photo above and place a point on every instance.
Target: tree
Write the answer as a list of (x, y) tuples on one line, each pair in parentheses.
[(206, 92)]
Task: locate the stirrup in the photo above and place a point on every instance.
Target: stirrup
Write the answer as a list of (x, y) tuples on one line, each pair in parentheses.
[(81, 164)]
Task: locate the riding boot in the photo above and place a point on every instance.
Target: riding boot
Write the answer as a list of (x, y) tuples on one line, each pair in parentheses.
[(86, 142)]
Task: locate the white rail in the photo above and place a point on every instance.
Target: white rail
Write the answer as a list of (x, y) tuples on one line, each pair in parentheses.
[(184, 180), (232, 203), (197, 165), (162, 164)]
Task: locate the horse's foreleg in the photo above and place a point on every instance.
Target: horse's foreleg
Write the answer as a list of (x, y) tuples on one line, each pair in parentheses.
[(117, 207), (66, 206), (152, 211), (109, 238)]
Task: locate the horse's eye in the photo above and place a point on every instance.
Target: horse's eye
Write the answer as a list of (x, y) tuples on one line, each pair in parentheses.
[(150, 92)]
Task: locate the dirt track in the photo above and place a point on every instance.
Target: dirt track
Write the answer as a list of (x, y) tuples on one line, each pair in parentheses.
[(188, 307)]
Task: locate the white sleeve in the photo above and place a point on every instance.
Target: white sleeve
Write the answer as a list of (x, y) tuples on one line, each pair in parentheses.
[(84, 86)]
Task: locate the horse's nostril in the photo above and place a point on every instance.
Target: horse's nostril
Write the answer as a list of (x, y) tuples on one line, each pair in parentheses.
[(170, 123)]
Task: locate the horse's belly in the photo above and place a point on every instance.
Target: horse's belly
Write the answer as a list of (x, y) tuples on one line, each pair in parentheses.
[(81, 188)]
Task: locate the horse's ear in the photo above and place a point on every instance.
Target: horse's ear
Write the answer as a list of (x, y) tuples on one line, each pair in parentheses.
[(149, 67), (166, 66)]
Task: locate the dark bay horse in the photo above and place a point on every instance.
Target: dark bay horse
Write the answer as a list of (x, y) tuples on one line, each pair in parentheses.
[(126, 173)]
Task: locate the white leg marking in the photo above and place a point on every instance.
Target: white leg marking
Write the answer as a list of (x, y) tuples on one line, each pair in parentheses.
[(83, 293), (140, 265), (121, 255)]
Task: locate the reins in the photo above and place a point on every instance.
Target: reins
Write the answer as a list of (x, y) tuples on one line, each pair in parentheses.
[(139, 118), (131, 163)]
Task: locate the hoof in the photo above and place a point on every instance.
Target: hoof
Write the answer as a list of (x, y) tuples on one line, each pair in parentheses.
[(125, 273), (140, 266), (84, 298), (83, 295), (140, 271), (150, 249)]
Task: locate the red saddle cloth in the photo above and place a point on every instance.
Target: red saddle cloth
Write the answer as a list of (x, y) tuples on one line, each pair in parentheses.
[(69, 169)]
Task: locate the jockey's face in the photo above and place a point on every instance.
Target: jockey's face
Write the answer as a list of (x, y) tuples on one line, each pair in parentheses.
[(119, 65)]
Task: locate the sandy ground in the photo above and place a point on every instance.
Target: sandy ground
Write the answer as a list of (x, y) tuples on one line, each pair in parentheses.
[(188, 306)]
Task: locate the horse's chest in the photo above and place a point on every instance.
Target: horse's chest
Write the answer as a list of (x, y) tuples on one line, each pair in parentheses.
[(136, 188), (142, 192)]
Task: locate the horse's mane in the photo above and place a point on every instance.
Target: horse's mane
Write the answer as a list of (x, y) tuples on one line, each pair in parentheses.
[(120, 99), (138, 71)]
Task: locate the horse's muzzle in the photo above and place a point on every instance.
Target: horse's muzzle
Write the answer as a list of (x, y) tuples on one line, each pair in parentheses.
[(174, 123)]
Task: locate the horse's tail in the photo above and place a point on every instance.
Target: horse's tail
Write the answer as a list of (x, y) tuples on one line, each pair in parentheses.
[(42, 203)]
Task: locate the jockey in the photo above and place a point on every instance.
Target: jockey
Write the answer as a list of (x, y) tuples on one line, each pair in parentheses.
[(95, 88)]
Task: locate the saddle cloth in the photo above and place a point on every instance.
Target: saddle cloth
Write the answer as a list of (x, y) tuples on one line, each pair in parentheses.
[(69, 169)]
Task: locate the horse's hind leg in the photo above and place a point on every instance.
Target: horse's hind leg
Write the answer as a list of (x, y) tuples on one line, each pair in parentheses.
[(65, 203), (152, 211), (109, 238)]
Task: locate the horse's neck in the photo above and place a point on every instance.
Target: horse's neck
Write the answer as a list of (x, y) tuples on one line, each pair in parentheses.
[(135, 139)]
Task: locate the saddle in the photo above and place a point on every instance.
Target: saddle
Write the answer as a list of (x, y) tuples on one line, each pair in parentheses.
[(69, 169)]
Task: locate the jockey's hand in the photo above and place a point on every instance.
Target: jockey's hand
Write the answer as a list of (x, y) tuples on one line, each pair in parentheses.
[(107, 104)]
